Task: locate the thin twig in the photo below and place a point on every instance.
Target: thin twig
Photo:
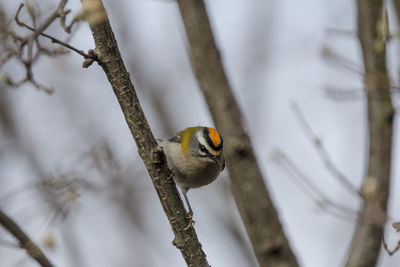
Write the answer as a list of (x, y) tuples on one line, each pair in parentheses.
[(396, 226), (24, 241), (40, 29), (342, 61), (341, 32), (353, 67), (25, 54), (341, 177), (311, 190), (63, 16), (385, 246), (9, 244), (53, 39), (46, 23), (341, 94)]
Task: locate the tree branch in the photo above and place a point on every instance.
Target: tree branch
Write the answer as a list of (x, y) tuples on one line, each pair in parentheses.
[(249, 190), (110, 60), (53, 39), (367, 238), (24, 241)]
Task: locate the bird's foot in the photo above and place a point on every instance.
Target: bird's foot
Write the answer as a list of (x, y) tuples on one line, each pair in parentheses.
[(191, 221), (157, 156)]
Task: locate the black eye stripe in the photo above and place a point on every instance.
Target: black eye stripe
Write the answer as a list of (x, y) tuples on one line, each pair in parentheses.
[(203, 148)]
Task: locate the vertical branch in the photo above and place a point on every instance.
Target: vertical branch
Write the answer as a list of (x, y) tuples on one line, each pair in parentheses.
[(24, 241), (397, 10), (367, 238), (249, 190), (110, 60)]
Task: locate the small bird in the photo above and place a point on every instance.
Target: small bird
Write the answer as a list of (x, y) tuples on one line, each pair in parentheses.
[(195, 156)]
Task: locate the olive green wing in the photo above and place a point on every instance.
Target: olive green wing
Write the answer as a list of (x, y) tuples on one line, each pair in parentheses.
[(176, 138)]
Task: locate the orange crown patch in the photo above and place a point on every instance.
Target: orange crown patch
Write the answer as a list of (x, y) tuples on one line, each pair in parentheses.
[(214, 136)]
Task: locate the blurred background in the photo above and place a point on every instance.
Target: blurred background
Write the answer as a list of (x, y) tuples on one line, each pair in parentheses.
[(70, 174)]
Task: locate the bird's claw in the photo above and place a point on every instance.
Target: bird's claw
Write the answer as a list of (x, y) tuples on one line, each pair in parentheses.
[(191, 221), (156, 157)]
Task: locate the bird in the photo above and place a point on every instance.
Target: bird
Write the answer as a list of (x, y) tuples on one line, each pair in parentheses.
[(195, 156)]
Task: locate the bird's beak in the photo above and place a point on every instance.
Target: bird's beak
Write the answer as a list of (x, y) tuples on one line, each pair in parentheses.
[(216, 159)]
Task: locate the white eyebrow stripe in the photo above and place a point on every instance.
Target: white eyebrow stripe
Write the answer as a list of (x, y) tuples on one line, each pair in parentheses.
[(204, 142)]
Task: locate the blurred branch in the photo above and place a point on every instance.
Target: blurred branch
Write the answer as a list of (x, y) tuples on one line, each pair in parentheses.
[(31, 38), (340, 177), (56, 189), (123, 191), (372, 34), (29, 41), (341, 94), (249, 190), (390, 252), (24, 241), (396, 226), (27, 49), (341, 61), (53, 39), (335, 58), (396, 4), (229, 221), (111, 62), (310, 189), (341, 32)]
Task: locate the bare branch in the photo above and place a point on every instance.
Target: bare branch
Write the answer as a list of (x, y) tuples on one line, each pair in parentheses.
[(248, 187), (25, 45), (53, 39), (396, 226), (340, 60), (341, 177), (341, 94), (111, 62), (24, 241), (389, 251), (372, 34), (63, 16), (311, 190), (30, 39)]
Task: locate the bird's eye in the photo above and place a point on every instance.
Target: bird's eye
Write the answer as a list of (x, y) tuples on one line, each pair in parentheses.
[(202, 148)]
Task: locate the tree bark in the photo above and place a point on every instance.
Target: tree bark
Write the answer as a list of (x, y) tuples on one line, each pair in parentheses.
[(110, 60), (367, 238), (249, 190)]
